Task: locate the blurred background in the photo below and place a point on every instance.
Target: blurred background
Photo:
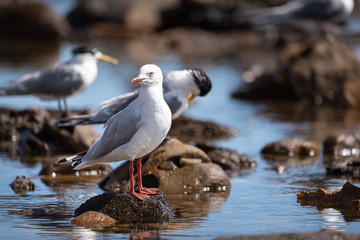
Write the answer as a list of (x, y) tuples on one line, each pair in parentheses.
[(274, 77)]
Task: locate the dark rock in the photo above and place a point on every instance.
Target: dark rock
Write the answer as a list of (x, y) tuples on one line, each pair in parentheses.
[(93, 220), (347, 198), (189, 178), (126, 208), (21, 185), (131, 14), (323, 235), (35, 135), (29, 19), (302, 73), (291, 148), (188, 129), (227, 159)]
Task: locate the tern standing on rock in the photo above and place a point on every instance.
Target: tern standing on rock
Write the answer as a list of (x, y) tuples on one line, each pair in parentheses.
[(133, 132), (63, 79), (179, 89)]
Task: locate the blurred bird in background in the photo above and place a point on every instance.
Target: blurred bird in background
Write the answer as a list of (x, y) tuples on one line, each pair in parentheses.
[(61, 80)]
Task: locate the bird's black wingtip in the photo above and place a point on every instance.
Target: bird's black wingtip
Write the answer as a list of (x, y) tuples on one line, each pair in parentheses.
[(202, 80), (62, 160)]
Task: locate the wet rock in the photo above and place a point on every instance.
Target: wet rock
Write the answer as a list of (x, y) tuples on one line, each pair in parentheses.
[(53, 169), (290, 153), (29, 19), (296, 148), (323, 235), (35, 135), (302, 73), (188, 129), (34, 212), (21, 185), (342, 154), (344, 144), (348, 168), (185, 177), (93, 220), (348, 197), (227, 159), (126, 208)]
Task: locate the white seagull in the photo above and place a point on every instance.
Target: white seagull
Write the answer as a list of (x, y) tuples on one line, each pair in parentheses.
[(331, 11), (133, 132), (179, 89), (61, 80)]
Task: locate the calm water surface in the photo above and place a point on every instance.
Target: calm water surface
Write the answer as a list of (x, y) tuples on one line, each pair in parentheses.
[(260, 201)]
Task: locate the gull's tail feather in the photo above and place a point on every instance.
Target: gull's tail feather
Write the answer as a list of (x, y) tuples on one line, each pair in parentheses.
[(74, 160), (12, 90), (75, 120)]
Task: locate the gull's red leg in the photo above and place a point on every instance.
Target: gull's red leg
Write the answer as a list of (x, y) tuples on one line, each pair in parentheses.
[(141, 188), (139, 195)]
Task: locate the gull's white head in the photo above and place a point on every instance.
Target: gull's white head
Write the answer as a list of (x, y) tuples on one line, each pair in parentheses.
[(149, 75)]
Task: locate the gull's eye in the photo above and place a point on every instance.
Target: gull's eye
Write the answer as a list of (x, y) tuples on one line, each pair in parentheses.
[(151, 73)]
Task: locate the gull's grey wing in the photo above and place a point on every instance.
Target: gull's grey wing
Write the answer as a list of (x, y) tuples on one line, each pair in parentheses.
[(119, 129), (59, 81), (116, 104), (108, 109)]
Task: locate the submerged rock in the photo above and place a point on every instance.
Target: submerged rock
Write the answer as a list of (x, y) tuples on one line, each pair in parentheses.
[(227, 159), (344, 144), (126, 208), (53, 168), (342, 154), (290, 153), (347, 198), (303, 73), (93, 220), (295, 148), (34, 212), (348, 168), (188, 129), (21, 185), (173, 167)]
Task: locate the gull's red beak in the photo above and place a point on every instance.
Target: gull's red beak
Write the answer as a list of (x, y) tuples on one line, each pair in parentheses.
[(136, 80)]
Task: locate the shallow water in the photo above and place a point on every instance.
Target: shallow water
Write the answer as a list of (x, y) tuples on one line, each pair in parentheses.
[(260, 201)]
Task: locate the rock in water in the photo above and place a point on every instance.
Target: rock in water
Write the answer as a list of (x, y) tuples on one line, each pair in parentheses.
[(21, 185), (302, 72), (174, 167), (127, 209), (347, 198)]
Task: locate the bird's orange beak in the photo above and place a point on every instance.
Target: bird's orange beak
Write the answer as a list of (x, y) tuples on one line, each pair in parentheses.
[(109, 59), (136, 80)]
